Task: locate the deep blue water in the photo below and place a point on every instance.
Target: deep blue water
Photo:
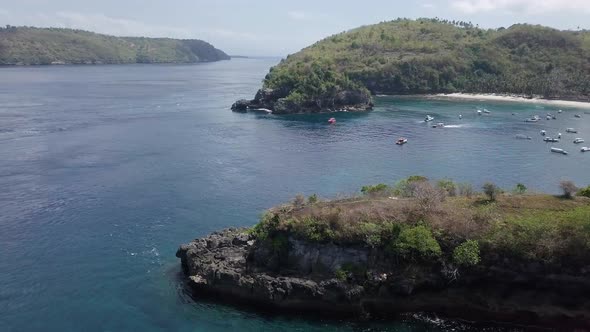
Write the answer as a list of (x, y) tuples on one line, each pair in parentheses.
[(105, 170)]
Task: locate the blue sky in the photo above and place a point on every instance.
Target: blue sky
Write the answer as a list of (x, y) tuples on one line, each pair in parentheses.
[(267, 27)]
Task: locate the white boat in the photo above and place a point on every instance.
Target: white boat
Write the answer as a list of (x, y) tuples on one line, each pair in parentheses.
[(571, 130), (486, 111), (460, 116), (585, 149), (549, 139), (543, 132), (533, 119), (558, 135), (578, 116), (438, 125), (428, 118), (548, 117), (559, 111), (521, 136), (578, 141), (558, 150), (478, 112), (401, 141)]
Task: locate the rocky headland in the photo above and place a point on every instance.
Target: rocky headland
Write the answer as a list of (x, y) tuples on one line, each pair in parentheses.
[(296, 264)]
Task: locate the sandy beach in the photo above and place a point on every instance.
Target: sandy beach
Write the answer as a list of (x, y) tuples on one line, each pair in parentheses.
[(512, 98)]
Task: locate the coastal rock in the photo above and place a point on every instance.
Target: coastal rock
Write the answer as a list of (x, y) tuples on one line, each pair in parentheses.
[(302, 277)]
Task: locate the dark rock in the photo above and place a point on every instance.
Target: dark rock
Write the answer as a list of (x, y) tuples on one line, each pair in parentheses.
[(231, 265), (241, 105)]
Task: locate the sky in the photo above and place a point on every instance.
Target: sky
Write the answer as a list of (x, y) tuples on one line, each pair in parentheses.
[(275, 27)]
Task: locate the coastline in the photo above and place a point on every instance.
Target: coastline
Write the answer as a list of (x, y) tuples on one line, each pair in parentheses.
[(511, 98)]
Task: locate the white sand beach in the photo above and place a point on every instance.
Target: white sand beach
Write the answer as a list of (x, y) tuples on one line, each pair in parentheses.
[(512, 98)]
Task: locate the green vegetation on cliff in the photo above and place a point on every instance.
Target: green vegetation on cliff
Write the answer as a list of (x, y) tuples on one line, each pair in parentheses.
[(426, 56), (37, 46), (419, 220)]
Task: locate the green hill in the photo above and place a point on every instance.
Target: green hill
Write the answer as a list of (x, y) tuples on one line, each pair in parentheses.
[(428, 56), (40, 46)]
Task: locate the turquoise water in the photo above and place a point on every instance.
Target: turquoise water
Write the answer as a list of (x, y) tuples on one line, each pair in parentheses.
[(105, 170)]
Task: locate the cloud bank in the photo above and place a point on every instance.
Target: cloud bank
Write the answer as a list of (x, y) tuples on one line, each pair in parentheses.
[(521, 6)]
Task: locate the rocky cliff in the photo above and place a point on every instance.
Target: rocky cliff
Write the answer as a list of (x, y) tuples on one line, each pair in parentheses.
[(296, 276)]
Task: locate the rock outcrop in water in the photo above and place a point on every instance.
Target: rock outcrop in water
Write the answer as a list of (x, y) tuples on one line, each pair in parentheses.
[(275, 100), (364, 282)]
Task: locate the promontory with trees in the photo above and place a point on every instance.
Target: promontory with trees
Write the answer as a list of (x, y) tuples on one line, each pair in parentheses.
[(415, 246), (427, 56), (46, 46)]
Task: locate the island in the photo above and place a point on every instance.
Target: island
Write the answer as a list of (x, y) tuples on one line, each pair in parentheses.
[(55, 46), (416, 246), (423, 57)]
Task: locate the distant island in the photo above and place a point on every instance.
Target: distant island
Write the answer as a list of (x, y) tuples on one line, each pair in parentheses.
[(52, 46), (415, 246), (427, 56)]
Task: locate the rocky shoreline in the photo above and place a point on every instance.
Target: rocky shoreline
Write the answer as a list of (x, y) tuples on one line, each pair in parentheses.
[(275, 101), (361, 282)]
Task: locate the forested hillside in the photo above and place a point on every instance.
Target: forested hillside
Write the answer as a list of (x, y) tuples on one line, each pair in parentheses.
[(37, 46), (437, 56)]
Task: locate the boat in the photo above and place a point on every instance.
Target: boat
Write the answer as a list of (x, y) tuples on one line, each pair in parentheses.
[(549, 139), (548, 117), (486, 111), (478, 112), (521, 136), (401, 141), (578, 141), (559, 111), (533, 119), (558, 150), (585, 149), (571, 130), (558, 135), (553, 117), (332, 120), (578, 116), (460, 116), (428, 118), (543, 132), (438, 125)]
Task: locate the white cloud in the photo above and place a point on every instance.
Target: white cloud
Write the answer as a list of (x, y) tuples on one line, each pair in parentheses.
[(298, 15), (428, 6), (520, 6)]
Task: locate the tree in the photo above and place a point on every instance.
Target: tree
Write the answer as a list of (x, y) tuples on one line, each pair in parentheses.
[(491, 190), (569, 189)]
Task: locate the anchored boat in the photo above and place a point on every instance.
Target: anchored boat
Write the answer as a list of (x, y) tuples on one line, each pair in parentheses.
[(578, 141), (585, 149), (401, 141), (571, 130), (558, 150), (549, 139)]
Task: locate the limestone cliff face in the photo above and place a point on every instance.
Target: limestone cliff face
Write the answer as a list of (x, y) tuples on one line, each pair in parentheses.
[(363, 282)]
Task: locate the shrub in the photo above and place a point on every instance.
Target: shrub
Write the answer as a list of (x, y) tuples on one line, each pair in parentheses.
[(448, 186), (267, 227), (520, 189), (466, 189), (375, 189), (371, 233), (584, 192), (299, 201), (341, 274), (491, 190), (405, 187), (569, 189), (312, 199), (314, 230), (467, 253), (428, 197), (417, 241)]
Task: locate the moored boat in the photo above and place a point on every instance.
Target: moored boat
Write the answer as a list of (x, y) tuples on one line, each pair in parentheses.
[(521, 136), (549, 139), (571, 130), (332, 120), (578, 116), (578, 141), (543, 132), (558, 150), (585, 149), (533, 119)]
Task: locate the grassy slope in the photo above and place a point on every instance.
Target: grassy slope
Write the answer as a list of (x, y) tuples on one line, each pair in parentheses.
[(44, 46), (528, 228), (429, 56)]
